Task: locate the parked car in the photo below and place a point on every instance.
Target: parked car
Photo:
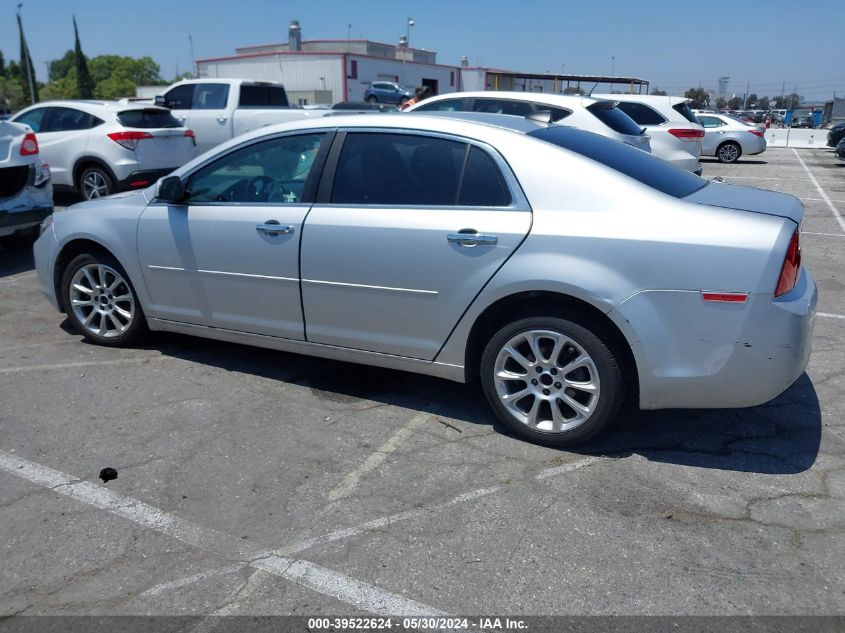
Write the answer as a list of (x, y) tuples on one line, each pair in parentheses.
[(220, 109), (676, 135), (836, 134), (727, 139), (802, 118), (26, 193), (563, 269), (586, 113), (100, 147), (840, 150), (365, 106), (387, 92)]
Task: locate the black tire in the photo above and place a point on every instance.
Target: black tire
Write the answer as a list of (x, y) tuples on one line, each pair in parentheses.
[(732, 152), (372, 99), (99, 175), (134, 330), (611, 395)]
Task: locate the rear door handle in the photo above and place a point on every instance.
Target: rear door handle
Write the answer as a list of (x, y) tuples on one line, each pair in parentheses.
[(222, 119), (272, 228), (469, 239)]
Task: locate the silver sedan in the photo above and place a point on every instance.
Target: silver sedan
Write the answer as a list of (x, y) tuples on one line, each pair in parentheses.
[(728, 138), (565, 271)]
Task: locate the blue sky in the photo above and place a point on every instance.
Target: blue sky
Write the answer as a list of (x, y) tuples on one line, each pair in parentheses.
[(675, 44)]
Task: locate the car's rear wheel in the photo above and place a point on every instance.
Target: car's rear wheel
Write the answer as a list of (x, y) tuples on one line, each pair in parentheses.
[(728, 152), (95, 182), (372, 99), (100, 301), (551, 381)]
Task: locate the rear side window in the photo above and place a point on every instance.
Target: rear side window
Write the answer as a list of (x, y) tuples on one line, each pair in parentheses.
[(614, 118), (33, 118), (711, 121), (150, 118), (502, 106), (68, 119), (641, 113), (210, 96), (447, 105), (398, 169), (685, 111), (263, 97), (483, 184), (648, 169)]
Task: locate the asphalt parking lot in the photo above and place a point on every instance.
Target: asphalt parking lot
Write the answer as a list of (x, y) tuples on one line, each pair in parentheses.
[(254, 482)]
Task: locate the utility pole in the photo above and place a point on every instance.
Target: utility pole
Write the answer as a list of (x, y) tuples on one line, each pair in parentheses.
[(193, 59), (745, 98)]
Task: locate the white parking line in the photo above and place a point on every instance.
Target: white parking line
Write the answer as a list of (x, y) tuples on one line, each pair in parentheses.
[(825, 234), (566, 468), (821, 191), (319, 579), (91, 363), (829, 315), (189, 580)]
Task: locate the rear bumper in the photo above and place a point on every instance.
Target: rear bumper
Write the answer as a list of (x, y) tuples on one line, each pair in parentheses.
[(13, 221), (693, 354), (142, 178)]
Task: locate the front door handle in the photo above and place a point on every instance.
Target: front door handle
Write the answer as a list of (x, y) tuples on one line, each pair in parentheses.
[(273, 228), (222, 119), (470, 238)]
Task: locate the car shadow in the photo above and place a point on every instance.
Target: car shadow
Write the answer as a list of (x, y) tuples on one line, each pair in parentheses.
[(740, 161), (14, 261), (780, 437)]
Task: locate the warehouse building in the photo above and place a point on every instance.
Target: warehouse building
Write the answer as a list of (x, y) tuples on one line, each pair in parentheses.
[(317, 72)]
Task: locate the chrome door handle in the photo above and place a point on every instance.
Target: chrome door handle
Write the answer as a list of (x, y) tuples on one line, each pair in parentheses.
[(222, 119), (465, 238), (272, 227)]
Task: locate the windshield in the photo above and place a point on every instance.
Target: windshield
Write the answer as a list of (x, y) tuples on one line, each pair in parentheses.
[(614, 118), (649, 170), (151, 118)]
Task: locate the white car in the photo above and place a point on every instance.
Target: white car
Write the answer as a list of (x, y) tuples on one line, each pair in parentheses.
[(676, 134), (599, 116), (26, 195), (728, 138), (100, 147)]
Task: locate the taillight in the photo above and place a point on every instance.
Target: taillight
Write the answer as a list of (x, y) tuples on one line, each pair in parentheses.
[(29, 145), (129, 140), (687, 134), (790, 268), (190, 134), (756, 132)]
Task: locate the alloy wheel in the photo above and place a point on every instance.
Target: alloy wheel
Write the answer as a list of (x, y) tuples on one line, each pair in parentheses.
[(728, 153), (94, 185), (546, 381), (101, 300)]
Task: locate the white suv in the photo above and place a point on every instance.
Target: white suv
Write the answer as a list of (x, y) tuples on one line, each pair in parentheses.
[(26, 195), (100, 147), (593, 115), (676, 134)]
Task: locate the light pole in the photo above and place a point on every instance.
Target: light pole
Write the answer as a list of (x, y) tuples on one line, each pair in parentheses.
[(193, 59), (408, 32), (348, 31), (612, 64)]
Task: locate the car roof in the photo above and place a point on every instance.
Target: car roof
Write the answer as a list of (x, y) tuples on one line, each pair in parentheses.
[(534, 97), (672, 100), (93, 105), (507, 121)]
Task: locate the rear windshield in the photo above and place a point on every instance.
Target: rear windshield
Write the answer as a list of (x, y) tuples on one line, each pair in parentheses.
[(614, 118), (648, 169), (253, 96), (147, 118), (685, 111)]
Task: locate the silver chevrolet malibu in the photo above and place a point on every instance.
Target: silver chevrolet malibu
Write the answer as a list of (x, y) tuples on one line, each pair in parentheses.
[(565, 271)]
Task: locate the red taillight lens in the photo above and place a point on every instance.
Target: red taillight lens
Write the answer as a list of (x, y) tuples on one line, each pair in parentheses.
[(190, 134), (129, 140), (756, 132), (790, 268), (686, 134), (29, 145)]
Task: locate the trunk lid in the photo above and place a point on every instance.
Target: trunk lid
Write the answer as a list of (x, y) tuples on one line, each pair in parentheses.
[(742, 198), (168, 148)]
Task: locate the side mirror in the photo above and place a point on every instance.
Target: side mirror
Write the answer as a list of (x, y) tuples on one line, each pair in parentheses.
[(171, 189), (161, 100)]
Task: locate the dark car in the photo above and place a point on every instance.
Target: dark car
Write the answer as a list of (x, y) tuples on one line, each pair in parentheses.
[(365, 106), (840, 150), (386, 92), (836, 134)]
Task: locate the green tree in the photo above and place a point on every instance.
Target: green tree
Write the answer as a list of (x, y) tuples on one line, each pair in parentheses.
[(750, 101), (735, 103), (11, 94), (28, 82), (658, 91), (59, 67), (721, 103), (763, 103), (699, 96), (84, 83), (2, 65), (64, 88)]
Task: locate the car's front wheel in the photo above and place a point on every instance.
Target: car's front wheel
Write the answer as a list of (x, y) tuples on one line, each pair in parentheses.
[(95, 182), (100, 301), (372, 99), (729, 152), (551, 381)]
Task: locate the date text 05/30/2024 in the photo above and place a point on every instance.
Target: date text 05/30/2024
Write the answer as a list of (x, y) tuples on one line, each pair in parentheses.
[(418, 624)]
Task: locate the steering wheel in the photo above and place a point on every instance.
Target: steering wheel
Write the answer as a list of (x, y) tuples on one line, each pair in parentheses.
[(265, 189)]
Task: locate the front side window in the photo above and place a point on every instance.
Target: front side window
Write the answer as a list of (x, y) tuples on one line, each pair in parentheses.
[(33, 118), (641, 113), (210, 97), (502, 106), (398, 169), (273, 171), (180, 97), (69, 119)]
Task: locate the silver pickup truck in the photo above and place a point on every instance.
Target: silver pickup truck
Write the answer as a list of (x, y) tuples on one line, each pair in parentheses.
[(220, 109)]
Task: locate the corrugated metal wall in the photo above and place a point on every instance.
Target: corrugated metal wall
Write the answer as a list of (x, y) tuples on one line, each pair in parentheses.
[(409, 75)]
